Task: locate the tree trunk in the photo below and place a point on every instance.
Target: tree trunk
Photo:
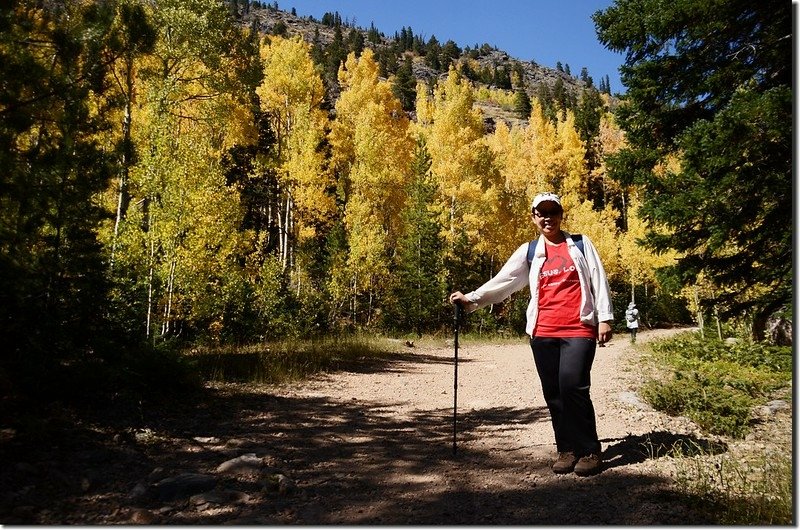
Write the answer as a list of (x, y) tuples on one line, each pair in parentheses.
[(166, 325), (123, 197), (700, 321), (150, 285), (760, 319)]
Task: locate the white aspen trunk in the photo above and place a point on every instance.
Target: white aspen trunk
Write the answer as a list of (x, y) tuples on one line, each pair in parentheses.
[(269, 219), (624, 209), (285, 234), (699, 312), (354, 302), (150, 278), (453, 219), (281, 229), (126, 139), (417, 316), (369, 303), (166, 325), (290, 230)]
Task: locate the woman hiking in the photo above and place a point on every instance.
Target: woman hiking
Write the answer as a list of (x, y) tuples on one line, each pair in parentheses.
[(570, 308)]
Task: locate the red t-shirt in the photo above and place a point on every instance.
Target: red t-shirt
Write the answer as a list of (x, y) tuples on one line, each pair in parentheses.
[(560, 297)]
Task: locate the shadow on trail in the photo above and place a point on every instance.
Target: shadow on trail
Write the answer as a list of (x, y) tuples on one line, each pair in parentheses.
[(249, 366), (353, 462), (634, 449)]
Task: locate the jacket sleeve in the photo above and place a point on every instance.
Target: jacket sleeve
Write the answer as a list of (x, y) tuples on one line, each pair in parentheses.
[(512, 277), (600, 289)]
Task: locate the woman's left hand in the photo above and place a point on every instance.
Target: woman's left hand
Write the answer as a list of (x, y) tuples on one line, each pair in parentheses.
[(604, 332)]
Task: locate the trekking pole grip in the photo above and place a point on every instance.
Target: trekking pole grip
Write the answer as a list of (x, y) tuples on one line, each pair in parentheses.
[(458, 311)]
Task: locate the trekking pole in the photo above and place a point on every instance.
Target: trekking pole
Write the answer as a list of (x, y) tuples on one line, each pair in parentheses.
[(456, 323)]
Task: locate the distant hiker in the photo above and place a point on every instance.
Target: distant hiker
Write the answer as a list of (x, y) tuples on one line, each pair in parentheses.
[(632, 320), (570, 307)]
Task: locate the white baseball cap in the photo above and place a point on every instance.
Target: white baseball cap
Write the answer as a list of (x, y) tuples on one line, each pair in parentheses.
[(546, 197)]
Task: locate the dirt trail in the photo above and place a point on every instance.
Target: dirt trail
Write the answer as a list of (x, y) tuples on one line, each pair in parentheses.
[(372, 445)]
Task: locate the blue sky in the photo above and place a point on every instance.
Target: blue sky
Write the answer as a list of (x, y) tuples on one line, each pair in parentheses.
[(545, 31)]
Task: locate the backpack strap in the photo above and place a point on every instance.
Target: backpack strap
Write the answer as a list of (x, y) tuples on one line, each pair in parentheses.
[(531, 251), (576, 238)]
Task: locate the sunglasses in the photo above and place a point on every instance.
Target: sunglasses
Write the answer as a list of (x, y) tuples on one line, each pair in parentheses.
[(546, 213)]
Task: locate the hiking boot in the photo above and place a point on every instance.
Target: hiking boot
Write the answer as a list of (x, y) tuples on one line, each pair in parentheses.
[(565, 463), (588, 465)]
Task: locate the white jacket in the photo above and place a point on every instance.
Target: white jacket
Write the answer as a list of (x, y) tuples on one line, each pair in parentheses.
[(515, 275)]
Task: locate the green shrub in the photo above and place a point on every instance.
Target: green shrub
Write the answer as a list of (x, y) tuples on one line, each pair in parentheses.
[(714, 383)]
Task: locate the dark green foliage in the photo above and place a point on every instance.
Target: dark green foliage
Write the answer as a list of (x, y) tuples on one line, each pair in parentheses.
[(711, 81), (373, 35), (332, 19), (335, 55), (586, 78), (355, 41), (657, 307), (522, 104), (717, 384), (587, 122), (450, 54), (53, 292), (502, 78), (65, 338), (280, 29), (419, 290), (255, 190), (432, 53), (404, 87)]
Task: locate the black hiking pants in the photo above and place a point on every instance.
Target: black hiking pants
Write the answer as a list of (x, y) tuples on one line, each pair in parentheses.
[(564, 366)]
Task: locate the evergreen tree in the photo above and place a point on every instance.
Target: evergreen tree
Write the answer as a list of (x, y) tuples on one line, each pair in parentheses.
[(418, 286), (336, 53), (55, 114), (586, 78), (404, 87), (373, 36), (501, 78), (450, 53), (522, 104), (433, 53), (587, 122), (355, 42), (708, 119)]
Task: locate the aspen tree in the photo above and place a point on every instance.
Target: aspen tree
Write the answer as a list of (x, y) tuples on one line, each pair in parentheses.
[(191, 109), (542, 141), (639, 263), (515, 162), (610, 140), (570, 163), (600, 225), (372, 152), (292, 93), (454, 140)]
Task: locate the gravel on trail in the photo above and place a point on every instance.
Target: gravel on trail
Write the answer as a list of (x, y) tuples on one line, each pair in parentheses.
[(369, 445)]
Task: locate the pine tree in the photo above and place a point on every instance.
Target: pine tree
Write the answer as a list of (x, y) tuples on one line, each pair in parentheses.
[(54, 125), (710, 88), (404, 86), (522, 103), (418, 286), (433, 53)]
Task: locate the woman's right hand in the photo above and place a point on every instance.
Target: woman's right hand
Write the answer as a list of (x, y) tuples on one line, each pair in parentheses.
[(458, 298)]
